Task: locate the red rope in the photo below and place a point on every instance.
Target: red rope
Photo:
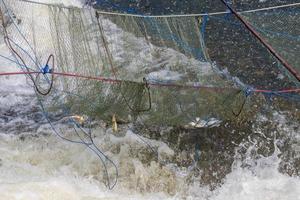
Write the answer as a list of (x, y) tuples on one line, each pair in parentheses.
[(98, 78), (111, 80), (17, 73)]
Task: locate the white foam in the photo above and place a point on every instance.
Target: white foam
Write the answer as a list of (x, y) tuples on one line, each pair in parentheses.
[(75, 3)]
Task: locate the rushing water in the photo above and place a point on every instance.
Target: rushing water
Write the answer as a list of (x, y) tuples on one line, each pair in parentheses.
[(35, 164)]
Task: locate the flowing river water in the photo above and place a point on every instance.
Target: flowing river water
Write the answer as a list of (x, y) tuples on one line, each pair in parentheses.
[(35, 164)]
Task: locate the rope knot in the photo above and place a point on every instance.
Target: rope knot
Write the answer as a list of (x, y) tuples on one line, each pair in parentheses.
[(46, 69), (249, 92)]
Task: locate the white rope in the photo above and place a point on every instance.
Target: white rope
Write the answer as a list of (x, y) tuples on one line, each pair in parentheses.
[(201, 14), (160, 16), (168, 16)]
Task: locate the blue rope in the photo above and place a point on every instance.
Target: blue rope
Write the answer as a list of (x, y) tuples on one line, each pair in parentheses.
[(46, 69), (91, 145), (11, 60), (26, 52), (248, 91)]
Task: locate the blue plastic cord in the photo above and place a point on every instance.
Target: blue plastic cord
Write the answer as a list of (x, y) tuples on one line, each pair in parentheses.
[(46, 69), (91, 145), (249, 91)]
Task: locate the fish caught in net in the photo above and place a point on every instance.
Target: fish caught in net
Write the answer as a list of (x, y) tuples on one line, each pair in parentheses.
[(193, 71)]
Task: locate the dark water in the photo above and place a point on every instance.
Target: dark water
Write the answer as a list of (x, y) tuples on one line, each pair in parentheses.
[(224, 46), (228, 42)]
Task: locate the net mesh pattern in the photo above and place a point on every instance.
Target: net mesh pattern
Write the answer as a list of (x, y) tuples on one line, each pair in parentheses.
[(163, 71)]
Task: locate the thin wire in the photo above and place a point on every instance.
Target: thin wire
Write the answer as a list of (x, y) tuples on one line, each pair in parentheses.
[(22, 49), (90, 145), (200, 14), (167, 16), (112, 81)]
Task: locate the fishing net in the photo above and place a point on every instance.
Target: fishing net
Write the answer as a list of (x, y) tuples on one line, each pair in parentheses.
[(156, 70), (191, 71), (280, 27), (152, 69)]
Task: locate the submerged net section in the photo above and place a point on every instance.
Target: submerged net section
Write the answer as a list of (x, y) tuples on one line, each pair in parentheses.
[(149, 70)]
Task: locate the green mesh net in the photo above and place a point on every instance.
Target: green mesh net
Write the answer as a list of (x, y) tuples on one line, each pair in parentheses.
[(172, 70), (280, 27)]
